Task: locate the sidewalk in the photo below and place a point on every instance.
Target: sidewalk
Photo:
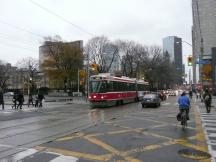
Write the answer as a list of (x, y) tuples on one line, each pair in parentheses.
[(209, 125), (50, 102), (81, 100)]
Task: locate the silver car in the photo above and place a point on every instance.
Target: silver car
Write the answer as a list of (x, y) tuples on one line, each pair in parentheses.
[(151, 99)]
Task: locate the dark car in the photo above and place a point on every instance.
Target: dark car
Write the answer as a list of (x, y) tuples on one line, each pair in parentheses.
[(151, 99)]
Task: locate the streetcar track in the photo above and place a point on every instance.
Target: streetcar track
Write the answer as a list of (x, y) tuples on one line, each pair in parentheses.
[(33, 130), (64, 133)]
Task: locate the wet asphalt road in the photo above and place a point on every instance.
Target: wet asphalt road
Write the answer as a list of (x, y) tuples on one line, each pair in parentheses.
[(124, 133)]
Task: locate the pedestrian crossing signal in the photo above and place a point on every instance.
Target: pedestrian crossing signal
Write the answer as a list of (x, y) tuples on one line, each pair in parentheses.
[(190, 61)]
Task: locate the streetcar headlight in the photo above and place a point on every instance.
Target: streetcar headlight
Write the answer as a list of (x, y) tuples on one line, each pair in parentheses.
[(94, 96), (89, 97), (102, 97)]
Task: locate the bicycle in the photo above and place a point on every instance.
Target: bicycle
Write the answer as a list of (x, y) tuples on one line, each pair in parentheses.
[(184, 119)]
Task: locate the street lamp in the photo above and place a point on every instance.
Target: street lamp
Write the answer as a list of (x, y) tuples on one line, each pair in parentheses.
[(29, 82), (182, 41)]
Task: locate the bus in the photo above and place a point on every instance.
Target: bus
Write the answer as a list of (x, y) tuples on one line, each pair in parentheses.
[(106, 90)]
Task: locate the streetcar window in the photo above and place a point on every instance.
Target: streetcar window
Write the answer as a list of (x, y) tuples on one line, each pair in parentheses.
[(131, 87), (116, 86), (94, 86), (121, 86), (98, 87), (109, 86), (103, 87)]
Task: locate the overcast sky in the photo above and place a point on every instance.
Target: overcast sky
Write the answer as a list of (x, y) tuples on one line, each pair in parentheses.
[(144, 21)]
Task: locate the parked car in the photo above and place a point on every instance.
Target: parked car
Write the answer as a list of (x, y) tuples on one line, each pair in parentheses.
[(151, 99)]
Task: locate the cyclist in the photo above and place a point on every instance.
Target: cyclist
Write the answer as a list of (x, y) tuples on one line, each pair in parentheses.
[(184, 104)]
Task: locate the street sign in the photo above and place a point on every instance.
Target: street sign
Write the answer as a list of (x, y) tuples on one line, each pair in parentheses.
[(203, 62)]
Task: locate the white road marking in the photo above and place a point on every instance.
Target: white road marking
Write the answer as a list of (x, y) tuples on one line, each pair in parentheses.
[(24, 154), (63, 158)]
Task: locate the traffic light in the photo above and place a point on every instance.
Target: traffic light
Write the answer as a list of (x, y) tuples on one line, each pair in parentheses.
[(82, 73), (190, 61), (94, 66)]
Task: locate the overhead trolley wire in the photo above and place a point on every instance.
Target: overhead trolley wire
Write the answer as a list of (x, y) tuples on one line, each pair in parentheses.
[(61, 17), (17, 46), (19, 28)]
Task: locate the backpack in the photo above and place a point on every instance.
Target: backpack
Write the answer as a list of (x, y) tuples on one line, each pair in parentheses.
[(178, 116)]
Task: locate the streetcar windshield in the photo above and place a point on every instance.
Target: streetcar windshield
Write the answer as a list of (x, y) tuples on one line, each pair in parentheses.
[(97, 86)]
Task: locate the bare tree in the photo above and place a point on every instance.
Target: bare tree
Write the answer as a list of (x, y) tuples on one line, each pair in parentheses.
[(102, 52), (28, 67), (4, 74), (134, 59)]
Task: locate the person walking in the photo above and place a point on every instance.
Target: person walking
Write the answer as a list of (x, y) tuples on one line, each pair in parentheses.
[(2, 99), (207, 100), (30, 100), (20, 100), (40, 99), (14, 100), (36, 101)]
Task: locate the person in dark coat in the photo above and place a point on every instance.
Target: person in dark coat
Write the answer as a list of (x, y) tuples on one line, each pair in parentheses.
[(36, 101), (20, 100), (30, 100), (15, 97), (2, 100), (207, 100), (40, 99)]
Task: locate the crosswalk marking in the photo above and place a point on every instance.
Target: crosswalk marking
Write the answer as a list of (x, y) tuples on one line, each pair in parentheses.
[(32, 153), (63, 158), (209, 125)]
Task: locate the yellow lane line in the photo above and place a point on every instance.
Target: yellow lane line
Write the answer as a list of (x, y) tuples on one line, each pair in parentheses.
[(77, 135), (120, 132), (200, 131), (166, 123), (141, 130), (110, 149), (102, 144), (195, 147), (150, 147), (77, 154)]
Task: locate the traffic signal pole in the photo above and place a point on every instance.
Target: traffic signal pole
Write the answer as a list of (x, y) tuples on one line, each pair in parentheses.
[(78, 81)]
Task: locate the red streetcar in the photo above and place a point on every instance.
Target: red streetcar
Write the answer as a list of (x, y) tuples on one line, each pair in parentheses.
[(106, 90)]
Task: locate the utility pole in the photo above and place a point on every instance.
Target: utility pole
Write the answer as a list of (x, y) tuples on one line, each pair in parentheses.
[(189, 76), (78, 81), (201, 53), (87, 75), (28, 78)]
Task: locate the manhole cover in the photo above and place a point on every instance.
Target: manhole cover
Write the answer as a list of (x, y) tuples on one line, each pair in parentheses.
[(194, 154)]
